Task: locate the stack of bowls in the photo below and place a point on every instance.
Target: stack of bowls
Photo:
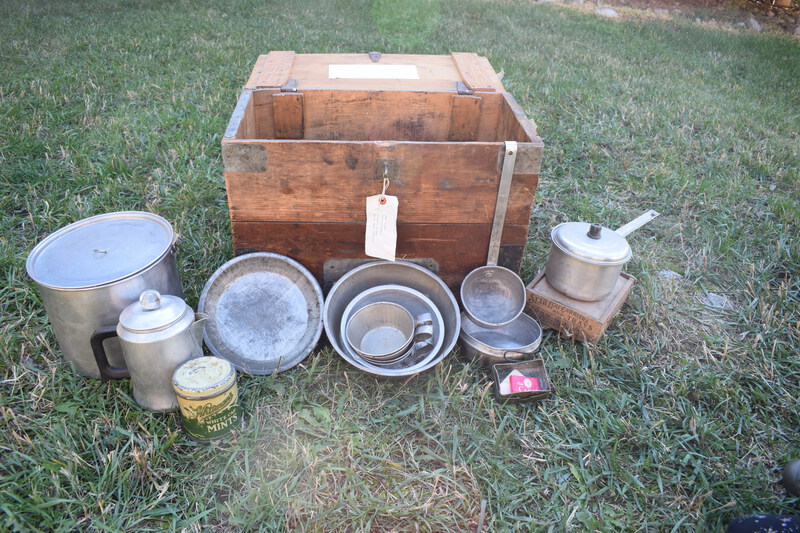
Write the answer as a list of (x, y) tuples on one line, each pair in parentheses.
[(385, 333), (494, 328), (391, 319)]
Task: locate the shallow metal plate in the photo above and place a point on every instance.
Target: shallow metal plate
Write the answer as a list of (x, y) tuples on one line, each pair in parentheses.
[(264, 312)]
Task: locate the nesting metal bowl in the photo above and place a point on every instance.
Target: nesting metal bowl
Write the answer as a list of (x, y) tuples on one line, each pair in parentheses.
[(493, 296), (374, 274), (414, 301), (380, 330)]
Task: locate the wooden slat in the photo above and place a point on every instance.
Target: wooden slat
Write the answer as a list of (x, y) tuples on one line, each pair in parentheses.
[(465, 113), (436, 72), (457, 248), (274, 71), (261, 61), (379, 115), (491, 106), (328, 182), (264, 114), (476, 72), (288, 115), (513, 124)]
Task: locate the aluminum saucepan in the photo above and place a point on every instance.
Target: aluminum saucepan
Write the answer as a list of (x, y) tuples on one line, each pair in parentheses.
[(516, 341), (586, 260)]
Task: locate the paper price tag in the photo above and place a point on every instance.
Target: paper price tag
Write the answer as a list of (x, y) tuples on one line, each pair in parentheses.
[(381, 237)]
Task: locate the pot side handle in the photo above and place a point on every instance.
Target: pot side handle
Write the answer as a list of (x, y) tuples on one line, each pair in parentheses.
[(107, 372), (514, 357)]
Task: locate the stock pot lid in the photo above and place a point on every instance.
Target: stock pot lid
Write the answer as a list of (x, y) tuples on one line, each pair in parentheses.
[(100, 250), (607, 247)]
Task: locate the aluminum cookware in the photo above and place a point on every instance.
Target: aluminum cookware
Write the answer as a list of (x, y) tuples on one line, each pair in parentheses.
[(386, 331), (412, 300), (89, 271), (375, 273), (516, 341), (586, 259), (264, 312), (157, 334), (492, 295)]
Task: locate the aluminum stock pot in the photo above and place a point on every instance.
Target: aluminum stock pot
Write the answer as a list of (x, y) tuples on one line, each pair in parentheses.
[(89, 271)]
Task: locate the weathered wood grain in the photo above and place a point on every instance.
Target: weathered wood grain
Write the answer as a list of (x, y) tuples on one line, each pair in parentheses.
[(465, 113), (476, 72), (457, 248), (312, 181), (272, 71), (288, 114)]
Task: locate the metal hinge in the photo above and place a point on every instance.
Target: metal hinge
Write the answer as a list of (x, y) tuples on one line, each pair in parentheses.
[(290, 86), (462, 88)]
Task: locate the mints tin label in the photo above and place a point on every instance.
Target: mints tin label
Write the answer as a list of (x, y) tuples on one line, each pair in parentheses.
[(208, 397), (210, 418)]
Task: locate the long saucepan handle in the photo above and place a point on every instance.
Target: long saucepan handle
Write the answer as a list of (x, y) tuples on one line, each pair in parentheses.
[(637, 223)]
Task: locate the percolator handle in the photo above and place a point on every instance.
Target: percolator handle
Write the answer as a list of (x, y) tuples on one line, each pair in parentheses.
[(107, 372)]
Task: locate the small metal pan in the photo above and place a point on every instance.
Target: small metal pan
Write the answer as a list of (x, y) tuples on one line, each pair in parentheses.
[(493, 296)]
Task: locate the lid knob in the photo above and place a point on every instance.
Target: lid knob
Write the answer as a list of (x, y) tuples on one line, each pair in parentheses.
[(150, 300), (594, 231)]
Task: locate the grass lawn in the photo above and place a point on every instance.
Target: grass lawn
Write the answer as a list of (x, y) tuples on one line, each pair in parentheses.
[(679, 419)]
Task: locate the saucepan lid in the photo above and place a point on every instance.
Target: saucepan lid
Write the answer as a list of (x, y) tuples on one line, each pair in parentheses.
[(591, 243)]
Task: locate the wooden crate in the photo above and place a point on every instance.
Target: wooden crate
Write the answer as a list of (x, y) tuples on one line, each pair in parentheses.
[(305, 147), (582, 321)]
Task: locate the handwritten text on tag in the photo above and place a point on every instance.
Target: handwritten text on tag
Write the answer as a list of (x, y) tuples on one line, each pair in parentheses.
[(381, 237)]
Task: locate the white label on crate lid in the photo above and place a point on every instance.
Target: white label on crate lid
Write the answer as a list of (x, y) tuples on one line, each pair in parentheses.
[(381, 237), (373, 72)]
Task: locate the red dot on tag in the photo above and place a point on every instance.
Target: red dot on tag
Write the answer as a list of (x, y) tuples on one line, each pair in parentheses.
[(382, 201)]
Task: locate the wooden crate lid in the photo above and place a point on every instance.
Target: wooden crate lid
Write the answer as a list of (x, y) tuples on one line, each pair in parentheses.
[(362, 71)]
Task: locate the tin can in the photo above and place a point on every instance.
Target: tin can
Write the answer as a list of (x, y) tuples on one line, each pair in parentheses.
[(207, 397)]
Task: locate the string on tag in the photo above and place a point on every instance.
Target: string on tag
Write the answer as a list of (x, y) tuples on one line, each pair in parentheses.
[(385, 183)]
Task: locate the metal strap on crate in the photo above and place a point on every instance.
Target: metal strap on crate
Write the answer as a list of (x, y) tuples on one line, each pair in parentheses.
[(509, 159)]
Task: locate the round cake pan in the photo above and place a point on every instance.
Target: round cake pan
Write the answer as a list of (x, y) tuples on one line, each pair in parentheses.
[(264, 312)]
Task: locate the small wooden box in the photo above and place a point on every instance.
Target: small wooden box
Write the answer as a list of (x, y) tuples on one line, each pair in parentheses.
[(314, 134), (583, 321)]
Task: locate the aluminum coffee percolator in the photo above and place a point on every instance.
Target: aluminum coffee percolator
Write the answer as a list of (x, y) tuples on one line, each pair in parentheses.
[(157, 334)]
